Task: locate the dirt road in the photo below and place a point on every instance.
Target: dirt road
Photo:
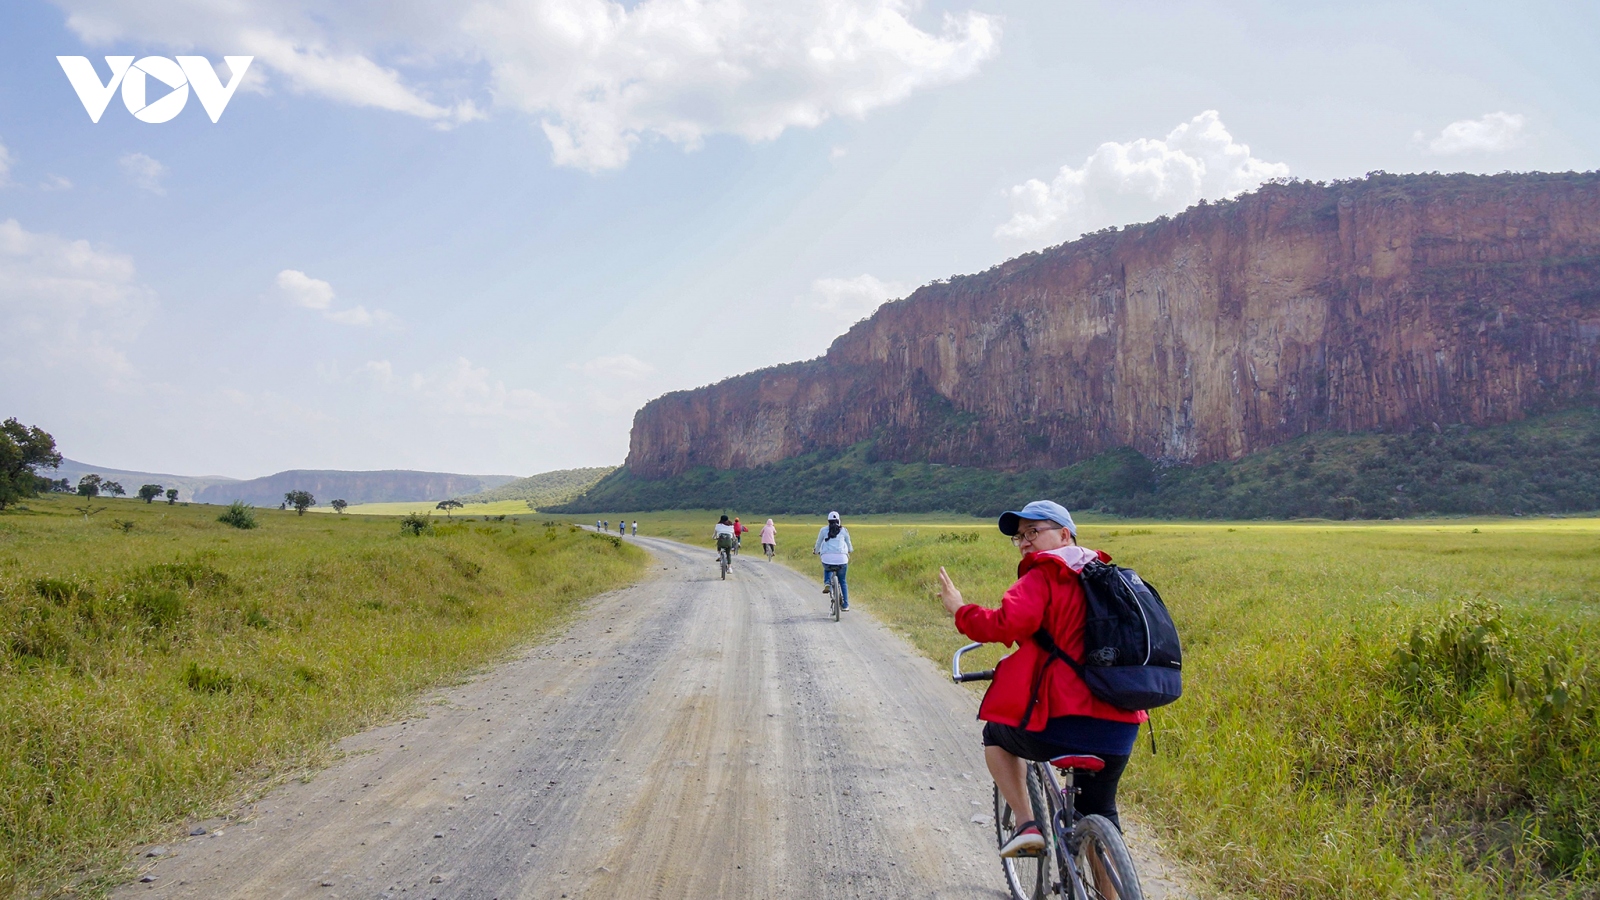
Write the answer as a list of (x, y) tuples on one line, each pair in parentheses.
[(688, 737)]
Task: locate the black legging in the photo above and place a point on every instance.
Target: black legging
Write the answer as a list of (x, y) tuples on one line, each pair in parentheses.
[(1097, 791)]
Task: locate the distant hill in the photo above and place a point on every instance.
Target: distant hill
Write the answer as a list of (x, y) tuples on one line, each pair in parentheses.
[(353, 487), (187, 485), (1542, 465), (544, 489)]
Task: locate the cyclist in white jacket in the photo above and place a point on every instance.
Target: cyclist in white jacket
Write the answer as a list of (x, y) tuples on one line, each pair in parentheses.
[(833, 545)]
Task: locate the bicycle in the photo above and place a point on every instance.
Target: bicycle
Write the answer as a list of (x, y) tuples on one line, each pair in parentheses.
[(769, 551), (725, 561), (835, 591), (1091, 860)]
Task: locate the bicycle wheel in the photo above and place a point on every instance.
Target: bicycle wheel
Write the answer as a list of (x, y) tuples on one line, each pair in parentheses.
[(1103, 861), (722, 561), (834, 594), (1028, 877)]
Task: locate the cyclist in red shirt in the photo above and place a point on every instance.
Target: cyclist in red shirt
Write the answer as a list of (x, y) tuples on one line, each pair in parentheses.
[(1062, 717)]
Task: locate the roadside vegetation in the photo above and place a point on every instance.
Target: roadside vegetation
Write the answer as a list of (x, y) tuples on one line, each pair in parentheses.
[(1386, 710), (156, 663), (1547, 464)]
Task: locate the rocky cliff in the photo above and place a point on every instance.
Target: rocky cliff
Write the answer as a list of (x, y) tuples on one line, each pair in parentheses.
[(1385, 303)]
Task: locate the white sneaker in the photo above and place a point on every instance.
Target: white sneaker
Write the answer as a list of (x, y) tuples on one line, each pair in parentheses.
[(1026, 842)]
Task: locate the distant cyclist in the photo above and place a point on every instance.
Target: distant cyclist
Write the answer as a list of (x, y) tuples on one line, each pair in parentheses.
[(635, 527), (724, 534), (738, 533), (622, 528), (833, 545), (1062, 717), (769, 539)]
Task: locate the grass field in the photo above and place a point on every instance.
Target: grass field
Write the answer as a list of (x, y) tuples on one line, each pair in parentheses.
[(518, 508), (155, 663), (1395, 709)]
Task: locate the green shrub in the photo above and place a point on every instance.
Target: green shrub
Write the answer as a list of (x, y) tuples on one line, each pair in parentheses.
[(416, 524), (160, 608), (61, 591), (207, 680), (239, 515)]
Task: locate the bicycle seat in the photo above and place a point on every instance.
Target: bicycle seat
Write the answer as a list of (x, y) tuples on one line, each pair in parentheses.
[(1080, 762)]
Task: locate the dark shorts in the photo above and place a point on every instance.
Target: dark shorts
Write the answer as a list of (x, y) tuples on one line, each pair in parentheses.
[(1097, 791)]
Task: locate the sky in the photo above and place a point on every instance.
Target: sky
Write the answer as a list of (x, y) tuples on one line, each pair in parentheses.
[(478, 236)]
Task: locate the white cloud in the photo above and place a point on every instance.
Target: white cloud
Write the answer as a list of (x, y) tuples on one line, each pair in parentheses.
[(621, 365), (1138, 180), (6, 162), (144, 172), (381, 371), (313, 293), (348, 78), (849, 300), (1489, 133), (68, 306), (461, 390), (55, 183), (598, 75), (303, 290), (357, 315)]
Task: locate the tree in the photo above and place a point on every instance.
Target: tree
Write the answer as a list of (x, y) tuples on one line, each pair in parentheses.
[(449, 506), (23, 449), (112, 488), (148, 492), (172, 496), (300, 500), (89, 486), (338, 506)]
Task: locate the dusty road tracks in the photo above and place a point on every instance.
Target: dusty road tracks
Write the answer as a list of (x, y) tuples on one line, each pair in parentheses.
[(689, 737)]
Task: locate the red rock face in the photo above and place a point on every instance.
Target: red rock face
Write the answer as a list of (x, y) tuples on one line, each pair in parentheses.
[(1383, 304)]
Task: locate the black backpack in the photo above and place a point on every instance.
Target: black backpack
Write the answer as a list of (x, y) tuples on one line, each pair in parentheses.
[(1132, 659)]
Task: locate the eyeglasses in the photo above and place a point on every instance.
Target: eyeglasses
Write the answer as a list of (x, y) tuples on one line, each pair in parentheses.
[(1032, 534)]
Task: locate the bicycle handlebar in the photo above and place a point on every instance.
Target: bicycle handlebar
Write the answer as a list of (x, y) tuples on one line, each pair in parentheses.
[(959, 676)]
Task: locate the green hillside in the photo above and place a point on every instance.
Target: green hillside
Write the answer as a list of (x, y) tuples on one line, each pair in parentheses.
[(1547, 464), (545, 488)]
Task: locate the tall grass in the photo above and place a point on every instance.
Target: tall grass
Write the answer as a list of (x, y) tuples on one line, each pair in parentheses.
[(150, 673), (1395, 710)]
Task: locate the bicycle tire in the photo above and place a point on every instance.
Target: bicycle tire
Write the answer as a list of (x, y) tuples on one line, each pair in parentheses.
[(722, 561), (1104, 864), (834, 594), (1027, 877)]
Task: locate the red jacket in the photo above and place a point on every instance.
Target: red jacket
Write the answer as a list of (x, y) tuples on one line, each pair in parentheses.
[(1047, 592)]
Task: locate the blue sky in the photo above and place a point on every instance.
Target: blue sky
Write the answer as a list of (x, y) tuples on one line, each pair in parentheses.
[(478, 236)]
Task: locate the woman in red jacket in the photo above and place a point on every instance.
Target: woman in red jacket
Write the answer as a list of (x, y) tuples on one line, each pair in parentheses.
[(1062, 716)]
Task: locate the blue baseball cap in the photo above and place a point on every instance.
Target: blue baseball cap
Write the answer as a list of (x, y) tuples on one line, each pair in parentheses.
[(1043, 510)]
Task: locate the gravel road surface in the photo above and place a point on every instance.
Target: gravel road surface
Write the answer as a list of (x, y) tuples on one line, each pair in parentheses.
[(687, 737)]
